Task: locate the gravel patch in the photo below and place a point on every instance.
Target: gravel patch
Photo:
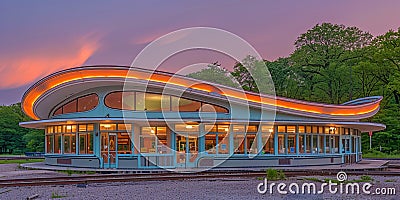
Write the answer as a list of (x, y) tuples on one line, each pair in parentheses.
[(235, 188)]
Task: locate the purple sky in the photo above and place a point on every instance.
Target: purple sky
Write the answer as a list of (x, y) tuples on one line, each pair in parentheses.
[(41, 37)]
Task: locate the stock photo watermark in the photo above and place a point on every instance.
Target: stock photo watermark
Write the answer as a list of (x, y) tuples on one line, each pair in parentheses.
[(341, 186)]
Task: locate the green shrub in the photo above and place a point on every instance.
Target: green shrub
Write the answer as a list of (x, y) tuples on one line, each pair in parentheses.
[(274, 175)]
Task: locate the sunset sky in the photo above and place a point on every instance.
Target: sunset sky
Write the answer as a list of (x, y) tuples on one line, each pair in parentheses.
[(41, 37)]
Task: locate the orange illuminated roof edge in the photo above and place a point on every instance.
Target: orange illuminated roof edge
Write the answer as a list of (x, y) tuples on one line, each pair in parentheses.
[(279, 101)]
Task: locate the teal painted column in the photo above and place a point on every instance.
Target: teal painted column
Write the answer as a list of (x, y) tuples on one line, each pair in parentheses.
[(132, 138), (275, 140), (202, 140), (340, 143), (259, 140), (351, 144), (231, 150), (96, 142), (297, 143), (76, 141), (173, 147)]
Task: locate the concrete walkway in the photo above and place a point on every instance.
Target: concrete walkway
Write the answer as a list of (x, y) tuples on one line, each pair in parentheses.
[(362, 165)]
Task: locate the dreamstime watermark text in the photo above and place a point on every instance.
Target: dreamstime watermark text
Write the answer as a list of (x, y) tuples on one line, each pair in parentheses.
[(341, 186)]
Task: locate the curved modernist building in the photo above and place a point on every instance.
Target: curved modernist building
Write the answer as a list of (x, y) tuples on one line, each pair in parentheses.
[(170, 121)]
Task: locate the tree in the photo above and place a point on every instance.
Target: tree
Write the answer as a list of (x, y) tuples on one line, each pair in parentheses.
[(253, 75), (386, 57), (216, 74), (287, 81), (10, 132), (324, 57)]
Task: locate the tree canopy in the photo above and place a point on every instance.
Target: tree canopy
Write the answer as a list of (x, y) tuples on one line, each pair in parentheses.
[(333, 63)]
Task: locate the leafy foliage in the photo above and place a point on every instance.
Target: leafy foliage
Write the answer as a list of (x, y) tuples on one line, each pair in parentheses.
[(333, 64), (13, 138)]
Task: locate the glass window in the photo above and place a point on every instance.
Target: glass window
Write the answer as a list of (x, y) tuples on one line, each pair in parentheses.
[(321, 143), (85, 143), (113, 100), (152, 102), (79, 104), (89, 127), (238, 128), (302, 129), (315, 129), (69, 143), (154, 140), (251, 146), (212, 108), (267, 129), (336, 146), (186, 105), (252, 129), (268, 142), (124, 127), (308, 144), (140, 102), (49, 143), (281, 144), (281, 129), (59, 111), (207, 108), (314, 143), (223, 143), (308, 129), (82, 128), (291, 143), (106, 127), (186, 128), (88, 102), (147, 144), (57, 143), (124, 143), (70, 107), (217, 139), (327, 144), (291, 129), (301, 143), (211, 143), (238, 143), (157, 102)]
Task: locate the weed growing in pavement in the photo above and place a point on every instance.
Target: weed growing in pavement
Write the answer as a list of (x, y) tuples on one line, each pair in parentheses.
[(275, 175), (55, 195)]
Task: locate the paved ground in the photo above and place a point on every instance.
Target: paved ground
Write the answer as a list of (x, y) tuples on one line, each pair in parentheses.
[(238, 188), (363, 165), (8, 171), (233, 188)]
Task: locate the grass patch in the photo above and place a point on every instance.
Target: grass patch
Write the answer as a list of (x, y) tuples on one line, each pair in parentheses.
[(70, 172), (22, 161), (378, 154), (390, 180), (55, 195), (275, 175)]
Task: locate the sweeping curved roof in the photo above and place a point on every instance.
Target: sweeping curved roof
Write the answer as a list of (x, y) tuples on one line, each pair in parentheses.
[(75, 80)]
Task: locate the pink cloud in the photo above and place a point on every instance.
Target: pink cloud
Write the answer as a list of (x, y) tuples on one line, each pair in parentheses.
[(21, 68)]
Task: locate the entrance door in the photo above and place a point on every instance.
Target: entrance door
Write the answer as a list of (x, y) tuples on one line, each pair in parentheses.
[(186, 151), (346, 144), (109, 144)]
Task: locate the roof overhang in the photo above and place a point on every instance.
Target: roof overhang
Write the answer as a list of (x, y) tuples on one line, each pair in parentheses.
[(40, 98)]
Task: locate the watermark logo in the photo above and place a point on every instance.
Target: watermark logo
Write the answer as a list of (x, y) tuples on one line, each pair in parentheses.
[(341, 186)]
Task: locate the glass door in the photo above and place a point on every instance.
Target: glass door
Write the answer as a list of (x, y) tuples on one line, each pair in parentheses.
[(109, 143), (186, 151), (345, 144)]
